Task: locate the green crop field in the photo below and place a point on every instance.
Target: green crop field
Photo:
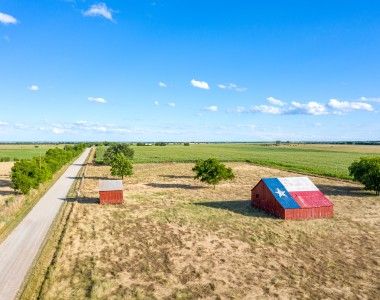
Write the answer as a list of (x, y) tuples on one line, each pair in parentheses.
[(320, 160), (19, 151)]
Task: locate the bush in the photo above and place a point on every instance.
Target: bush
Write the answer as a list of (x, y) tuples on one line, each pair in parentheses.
[(28, 174), (367, 172), (160, 144), (5, 159), (186, 144), (121, 166), (212, 171), (114, 149), (140, 144)]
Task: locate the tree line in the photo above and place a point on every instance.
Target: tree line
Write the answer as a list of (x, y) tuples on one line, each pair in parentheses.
[(28, 174)]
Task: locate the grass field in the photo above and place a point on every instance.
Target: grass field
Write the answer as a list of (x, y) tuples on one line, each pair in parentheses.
[(175, 238), (16, 151), (326, 160)]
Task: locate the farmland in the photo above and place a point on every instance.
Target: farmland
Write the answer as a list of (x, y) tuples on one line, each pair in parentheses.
[(177, 238), (325, 160), (21, 151)]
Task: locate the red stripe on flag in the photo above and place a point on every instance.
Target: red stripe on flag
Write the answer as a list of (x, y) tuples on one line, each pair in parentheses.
[(311, 199)]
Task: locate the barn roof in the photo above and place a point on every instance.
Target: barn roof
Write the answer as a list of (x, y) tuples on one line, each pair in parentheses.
[(296, 192), (110, 185)]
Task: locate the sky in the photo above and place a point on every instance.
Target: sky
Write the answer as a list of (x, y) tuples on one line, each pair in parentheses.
[(170, 70)]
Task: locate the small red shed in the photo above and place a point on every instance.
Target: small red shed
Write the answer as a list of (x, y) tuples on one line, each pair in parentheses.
[(110, 191), (291, 198)]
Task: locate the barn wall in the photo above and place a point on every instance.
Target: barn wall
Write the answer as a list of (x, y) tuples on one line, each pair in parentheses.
[(309, 213), (265, 200), (111, 197)]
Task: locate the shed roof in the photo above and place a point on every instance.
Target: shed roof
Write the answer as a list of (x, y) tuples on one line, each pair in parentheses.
[(110, 185)]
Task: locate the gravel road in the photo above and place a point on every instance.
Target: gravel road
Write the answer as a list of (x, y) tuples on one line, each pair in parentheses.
[(19, 249)]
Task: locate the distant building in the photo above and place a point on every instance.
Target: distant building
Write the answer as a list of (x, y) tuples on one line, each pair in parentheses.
[(110, 191), (291, 198)]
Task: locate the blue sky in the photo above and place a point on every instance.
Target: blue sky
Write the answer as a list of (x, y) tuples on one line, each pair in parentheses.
[(189, 70)]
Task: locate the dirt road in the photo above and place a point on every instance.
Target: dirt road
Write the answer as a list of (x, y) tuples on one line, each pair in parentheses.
[(20, 248)]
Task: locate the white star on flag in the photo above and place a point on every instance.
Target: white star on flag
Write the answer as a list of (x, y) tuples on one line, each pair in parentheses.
[(280, 193)]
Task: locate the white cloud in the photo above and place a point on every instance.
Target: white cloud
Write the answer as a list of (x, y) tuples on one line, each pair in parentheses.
[(346, 106), (3, 123), (162, 84), (275, 101), (156, 103), (240, 109), (310, 108), (211, 108), (232, 86), (7, 19), (370, 99), (200, 84), (266, 109), (33, 88), (171, 104), (99, 10), (279, 107), (97, 100), (57, 130)]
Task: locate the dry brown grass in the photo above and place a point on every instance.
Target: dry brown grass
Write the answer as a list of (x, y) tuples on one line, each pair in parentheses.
[(176, 238), (9, 201)]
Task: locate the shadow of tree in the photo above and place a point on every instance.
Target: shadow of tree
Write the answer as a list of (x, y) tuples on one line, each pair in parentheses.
[(83, 200), (98, 177), (177, 176), (242, 207), (6, 183), (341, 190), (175, 186)]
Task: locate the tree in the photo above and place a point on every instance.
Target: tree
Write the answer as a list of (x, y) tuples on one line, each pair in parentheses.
[(212, 171), (121, 166), (367, 172), (117, 149), (186, 144)]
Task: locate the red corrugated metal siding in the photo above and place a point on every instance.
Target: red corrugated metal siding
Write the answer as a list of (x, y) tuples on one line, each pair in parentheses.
[(309, 213), (310, 199), (262, 198), (111, 197)]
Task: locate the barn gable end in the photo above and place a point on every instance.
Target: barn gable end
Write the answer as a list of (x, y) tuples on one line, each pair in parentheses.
[(291, 198)]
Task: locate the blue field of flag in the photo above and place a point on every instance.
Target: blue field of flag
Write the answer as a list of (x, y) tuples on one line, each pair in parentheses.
[(280, 193)]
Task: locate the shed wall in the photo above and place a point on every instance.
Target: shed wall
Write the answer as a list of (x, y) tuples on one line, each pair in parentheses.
[(111, 197)]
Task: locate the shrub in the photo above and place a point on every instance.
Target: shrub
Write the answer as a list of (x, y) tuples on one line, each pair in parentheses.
[(367, 172), (212, 171), (186, 144), (160, 144), (121, 166), (114, 149), (27, 174)]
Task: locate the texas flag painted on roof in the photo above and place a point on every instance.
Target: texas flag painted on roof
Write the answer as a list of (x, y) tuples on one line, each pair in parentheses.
[(296, 192)]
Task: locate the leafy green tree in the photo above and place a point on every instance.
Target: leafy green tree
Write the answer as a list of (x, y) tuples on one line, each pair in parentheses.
[(27, 174), (212, 171), (117, 149), (367, 172), (121, 166)]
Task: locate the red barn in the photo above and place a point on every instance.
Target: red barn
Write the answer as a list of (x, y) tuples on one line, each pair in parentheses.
[(291, 198), (111, 191)]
